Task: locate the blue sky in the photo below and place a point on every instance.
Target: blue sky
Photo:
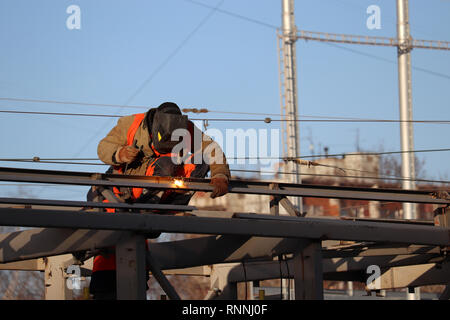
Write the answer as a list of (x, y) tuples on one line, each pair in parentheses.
[(143, 53)]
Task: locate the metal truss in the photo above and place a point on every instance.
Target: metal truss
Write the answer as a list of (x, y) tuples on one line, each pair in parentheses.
[(238, 247), (371, 40), (236, 186)]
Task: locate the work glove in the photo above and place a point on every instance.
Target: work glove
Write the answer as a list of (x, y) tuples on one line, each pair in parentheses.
[(127, 154), (220, 184)]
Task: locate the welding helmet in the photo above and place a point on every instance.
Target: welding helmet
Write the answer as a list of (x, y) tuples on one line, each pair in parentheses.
[(167, 118)]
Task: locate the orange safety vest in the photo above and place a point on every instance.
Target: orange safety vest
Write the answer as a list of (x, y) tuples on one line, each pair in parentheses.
[(108, 262)]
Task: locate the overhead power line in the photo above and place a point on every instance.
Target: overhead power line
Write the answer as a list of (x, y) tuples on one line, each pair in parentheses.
[(186, 110), (340, 175), (236, 15), (72, 103), (39, 159), (176, 50), (372, 56), (61, 114), (383, 177), (266, 120), (342, 172)]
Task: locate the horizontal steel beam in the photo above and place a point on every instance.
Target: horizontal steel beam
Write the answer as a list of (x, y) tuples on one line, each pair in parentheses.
[(236, 186), (371, 40), (24, 265), (227, 249), (348, 269), (66, 203), (368, 250), (308, 228), (220, 249), (415, 276), (39, 242)]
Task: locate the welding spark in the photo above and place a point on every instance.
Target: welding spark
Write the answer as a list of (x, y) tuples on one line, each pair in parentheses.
[(178, 183)]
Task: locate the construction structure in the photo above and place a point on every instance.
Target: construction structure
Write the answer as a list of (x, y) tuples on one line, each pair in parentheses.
[(404, 44), (289, 96), (239, 247)]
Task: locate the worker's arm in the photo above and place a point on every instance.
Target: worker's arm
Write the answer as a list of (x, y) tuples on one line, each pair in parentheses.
[(213, 155), (211, 152), (109, 147)]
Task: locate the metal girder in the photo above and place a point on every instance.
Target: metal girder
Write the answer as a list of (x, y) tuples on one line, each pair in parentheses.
[(25, 265), (66, 203), (41, 242), (371, 40), (350, 269), (220, 249), (415, 276), (155, 269), (131, 267), (226, 249), (308, 272), (236, 186), (258, 225), (361, 263), (367, 250)]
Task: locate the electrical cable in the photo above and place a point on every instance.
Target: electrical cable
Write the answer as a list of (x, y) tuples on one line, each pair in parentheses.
[(245, 279), (236, 15), (288, 276), (37, 159), (281, 278), (380, 177), (339, 176), (372, 56), (266, 120), (61, 114), (176, 50), (73, 103), (186, 110)]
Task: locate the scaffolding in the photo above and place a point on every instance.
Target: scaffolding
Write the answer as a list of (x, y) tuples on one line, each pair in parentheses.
[(236, 247)]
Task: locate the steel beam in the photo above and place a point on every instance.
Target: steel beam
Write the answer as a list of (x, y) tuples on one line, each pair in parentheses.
[(333, 269), (220, 249), (367, 250), (164, 283), (362, 263), (236, 186), (66, 203), (257, 225), (40, 242), (415, 276), (131, 267), (25, 265), (308, 272)]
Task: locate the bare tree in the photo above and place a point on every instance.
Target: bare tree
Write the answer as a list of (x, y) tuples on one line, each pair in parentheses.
[(20, 285)]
